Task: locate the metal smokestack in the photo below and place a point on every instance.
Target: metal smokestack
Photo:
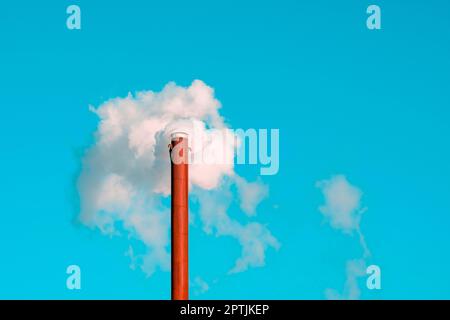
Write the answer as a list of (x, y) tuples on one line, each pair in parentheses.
[(180, 221)]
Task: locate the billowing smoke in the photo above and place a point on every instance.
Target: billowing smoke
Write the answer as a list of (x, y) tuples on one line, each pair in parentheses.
[(125, 176), (343, 210)]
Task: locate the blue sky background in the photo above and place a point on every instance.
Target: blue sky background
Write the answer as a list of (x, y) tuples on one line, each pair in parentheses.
[(372, 105)]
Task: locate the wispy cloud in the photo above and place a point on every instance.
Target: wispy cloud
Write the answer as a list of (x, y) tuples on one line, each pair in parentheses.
[(342, 207), (342, 203), (343, 210), (199, 286), (354, 269)]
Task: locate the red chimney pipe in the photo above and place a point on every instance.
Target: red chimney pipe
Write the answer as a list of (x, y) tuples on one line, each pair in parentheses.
[(180, 219)]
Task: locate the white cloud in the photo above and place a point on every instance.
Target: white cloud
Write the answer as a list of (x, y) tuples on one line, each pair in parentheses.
[(126, 173), (254, 237), (342, 203), (343, 211), (200, 286), (354, 269), (250, 194)]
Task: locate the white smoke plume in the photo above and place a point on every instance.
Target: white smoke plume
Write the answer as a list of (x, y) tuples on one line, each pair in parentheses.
[(342, 206), (126, 174), (343, 211)]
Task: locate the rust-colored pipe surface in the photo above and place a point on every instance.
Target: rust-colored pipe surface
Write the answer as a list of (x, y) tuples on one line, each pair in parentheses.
[(180, 220)]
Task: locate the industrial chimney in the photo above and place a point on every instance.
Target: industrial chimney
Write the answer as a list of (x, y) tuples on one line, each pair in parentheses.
[(180, 221)]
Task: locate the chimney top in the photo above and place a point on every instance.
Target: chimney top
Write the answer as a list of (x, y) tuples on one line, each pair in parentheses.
[(178, 134)]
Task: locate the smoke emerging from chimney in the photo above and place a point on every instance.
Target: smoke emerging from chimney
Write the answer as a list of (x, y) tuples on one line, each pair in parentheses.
[(125, 175)]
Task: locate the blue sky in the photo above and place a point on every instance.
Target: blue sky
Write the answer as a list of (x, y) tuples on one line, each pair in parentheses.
[(371, 105)]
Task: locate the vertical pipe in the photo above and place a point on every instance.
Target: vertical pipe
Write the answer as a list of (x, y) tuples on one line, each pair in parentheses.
[(179, 214)]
